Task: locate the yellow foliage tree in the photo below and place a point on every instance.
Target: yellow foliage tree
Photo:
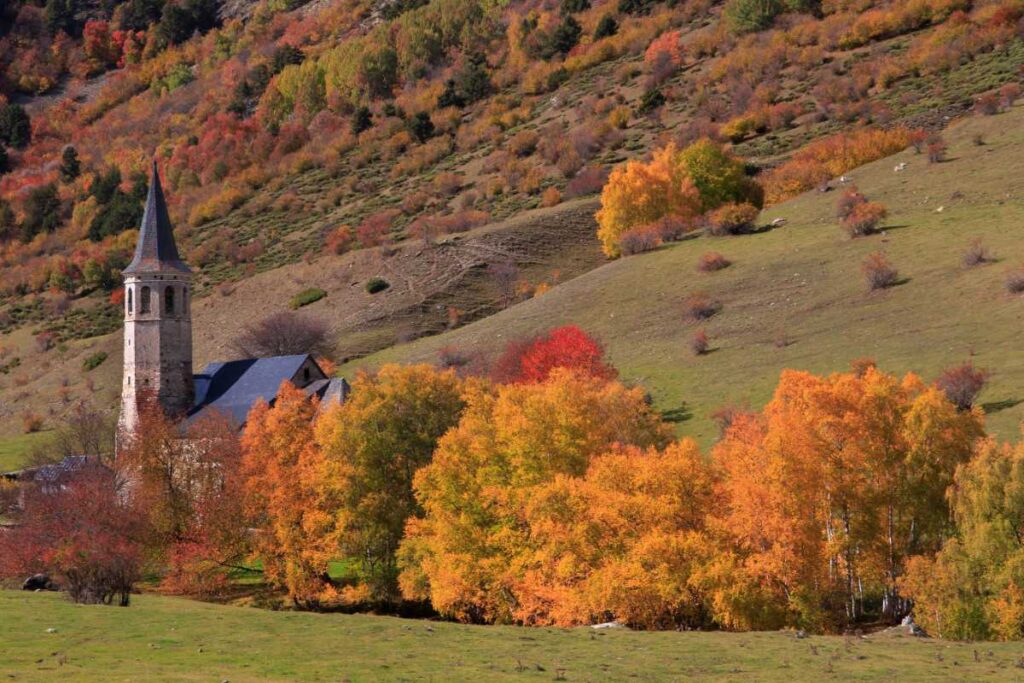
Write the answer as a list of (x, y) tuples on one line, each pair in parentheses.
[(974, 588), (677, 184), (624, 541), (470, 553), (372, 446), (639, 194)]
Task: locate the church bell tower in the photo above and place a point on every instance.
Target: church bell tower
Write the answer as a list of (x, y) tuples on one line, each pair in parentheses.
[(157, 319)]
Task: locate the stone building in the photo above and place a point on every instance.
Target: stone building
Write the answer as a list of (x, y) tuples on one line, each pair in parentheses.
[(158, 340)]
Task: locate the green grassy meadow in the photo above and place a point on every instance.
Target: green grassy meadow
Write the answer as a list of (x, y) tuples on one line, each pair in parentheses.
[(163, 638), (15, 450), (795, 296)]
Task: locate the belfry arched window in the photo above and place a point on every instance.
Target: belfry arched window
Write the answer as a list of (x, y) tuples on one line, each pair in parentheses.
[(131, 306), (144, 305), (169, 300)]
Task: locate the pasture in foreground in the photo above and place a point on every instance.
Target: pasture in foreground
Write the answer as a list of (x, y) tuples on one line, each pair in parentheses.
[(164, 638)]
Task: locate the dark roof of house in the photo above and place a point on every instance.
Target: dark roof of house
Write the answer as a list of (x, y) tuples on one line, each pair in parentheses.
[(329, 391), (234, 387), (53, 473), (156, 250)]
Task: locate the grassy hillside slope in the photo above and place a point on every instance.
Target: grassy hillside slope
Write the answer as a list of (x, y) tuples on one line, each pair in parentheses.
[(803, 282), (162, 638)]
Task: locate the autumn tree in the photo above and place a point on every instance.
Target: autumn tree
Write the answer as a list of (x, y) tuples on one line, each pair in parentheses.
[(185, 477), (469, 553), (625, 541), (974, 587), (284, 333), (216, 540), (533, 360), (372, 447), (682, 184), (837, 483), (82, 529), (280, 462)]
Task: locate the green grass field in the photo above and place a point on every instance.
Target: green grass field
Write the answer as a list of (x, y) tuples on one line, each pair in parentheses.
[(15, 450), (161, 638), (803, 283)]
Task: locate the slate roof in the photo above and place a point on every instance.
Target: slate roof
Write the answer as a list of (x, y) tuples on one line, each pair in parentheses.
[(156, 249), (233, 387), (329, 391), (56, 472)]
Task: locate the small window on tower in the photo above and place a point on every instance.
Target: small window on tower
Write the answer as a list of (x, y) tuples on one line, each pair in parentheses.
[(169, 300), (144, 300), (184, 299), (130, 302)]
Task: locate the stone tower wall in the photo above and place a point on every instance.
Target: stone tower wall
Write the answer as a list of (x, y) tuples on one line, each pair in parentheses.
[(157, 345)]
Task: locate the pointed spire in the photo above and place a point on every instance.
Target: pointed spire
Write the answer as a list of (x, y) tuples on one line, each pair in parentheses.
[(156, 250)]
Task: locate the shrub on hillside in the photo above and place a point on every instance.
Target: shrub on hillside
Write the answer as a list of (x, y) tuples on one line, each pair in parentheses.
[(524, 143), (976, 254), (828, 158), (639, 240), (588, 180), (863, 218), (699, 343), (284, 334), (732, 219), (340, 240), (879, 272), (962, 384), (376, 284), (550, 197), (700, 306), (682, 184), (937, 148), (94, 360), (746, 16), (1009, 94), (987, 104), (528, 361), (31, 422), (306, 297), (712, 261), (1015, 281)]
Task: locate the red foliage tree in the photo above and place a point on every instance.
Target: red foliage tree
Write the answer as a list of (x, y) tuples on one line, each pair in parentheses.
[(78, 527), (532, 361)]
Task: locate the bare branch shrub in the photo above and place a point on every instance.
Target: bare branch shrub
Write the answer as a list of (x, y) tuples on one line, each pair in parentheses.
[(285, 334)]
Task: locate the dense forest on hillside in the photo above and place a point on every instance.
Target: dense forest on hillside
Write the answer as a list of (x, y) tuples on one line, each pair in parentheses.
[(281, 131)]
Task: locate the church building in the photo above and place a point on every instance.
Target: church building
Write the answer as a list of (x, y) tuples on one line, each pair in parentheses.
[(158, 340)]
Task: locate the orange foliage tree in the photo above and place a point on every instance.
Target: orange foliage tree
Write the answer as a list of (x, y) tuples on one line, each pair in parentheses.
[(836, 483), (682, 184), (280, 463), (624, 541), (470, 553), (828, 158)]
